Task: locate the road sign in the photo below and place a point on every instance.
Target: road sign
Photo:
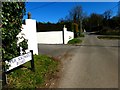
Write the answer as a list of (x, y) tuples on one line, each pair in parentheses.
[(17, 61)]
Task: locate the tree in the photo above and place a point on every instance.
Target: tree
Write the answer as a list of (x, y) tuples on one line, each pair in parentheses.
[(93, 22), (86, 23), (75, 17), (107, 14), (76, 14), (12, 14), (115, 23), (96, 19)]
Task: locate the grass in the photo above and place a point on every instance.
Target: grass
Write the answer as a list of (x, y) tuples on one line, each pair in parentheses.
[(45, 68), (109, 37), (74, 41), (82, 35)]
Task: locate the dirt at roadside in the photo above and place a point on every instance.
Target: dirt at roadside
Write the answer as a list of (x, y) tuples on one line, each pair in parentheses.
[(54, 81)]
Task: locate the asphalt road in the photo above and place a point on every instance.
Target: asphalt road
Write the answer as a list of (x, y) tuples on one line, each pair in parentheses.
[(92, 64)]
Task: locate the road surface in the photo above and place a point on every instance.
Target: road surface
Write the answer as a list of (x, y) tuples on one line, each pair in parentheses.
[(92, 64)]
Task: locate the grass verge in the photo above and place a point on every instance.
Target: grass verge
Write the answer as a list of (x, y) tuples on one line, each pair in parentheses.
[(74, 41), (109, 37), (82, 35), (23, 78)]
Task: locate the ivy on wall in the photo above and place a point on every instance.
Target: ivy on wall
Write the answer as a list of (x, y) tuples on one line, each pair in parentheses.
[(12, 14)]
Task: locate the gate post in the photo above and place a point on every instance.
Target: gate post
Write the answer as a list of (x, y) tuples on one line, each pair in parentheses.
[(63, 36)]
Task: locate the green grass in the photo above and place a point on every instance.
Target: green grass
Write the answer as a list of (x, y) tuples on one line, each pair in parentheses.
[(45, 68), (82, 35), (74, 41), (109, 37)]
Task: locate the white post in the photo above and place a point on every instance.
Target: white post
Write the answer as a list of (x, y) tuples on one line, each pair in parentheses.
[(32, 35), (64, 30)]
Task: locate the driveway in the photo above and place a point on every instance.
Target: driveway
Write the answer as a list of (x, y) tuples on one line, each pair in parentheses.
[(92, 64)]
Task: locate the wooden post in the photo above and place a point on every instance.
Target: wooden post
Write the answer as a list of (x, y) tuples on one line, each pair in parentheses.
[(32, 62), (64, 35), (4, 81)]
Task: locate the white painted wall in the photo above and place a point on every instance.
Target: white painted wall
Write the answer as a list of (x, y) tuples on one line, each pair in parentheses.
[(29, 29), (33, 37), (67, 35), (53, 37)]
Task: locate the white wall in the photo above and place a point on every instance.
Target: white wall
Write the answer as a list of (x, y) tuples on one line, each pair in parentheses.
[(67, 35), (29, 29), (53, 37), (33, 37)]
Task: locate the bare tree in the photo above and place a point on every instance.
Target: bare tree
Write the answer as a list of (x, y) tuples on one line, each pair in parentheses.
[(107, 14), (76, 15)]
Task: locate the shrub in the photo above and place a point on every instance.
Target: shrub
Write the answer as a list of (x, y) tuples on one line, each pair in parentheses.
[(11, 16), (109, 31), (74, 41)]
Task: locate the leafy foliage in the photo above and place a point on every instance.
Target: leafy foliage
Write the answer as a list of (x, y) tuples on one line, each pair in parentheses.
[(12, 14)]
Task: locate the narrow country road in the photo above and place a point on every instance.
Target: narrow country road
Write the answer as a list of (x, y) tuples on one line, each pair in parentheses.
[(92, 64)]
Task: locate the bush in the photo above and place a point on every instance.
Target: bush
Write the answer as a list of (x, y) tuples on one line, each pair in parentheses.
[(74, 41), (109, 31), (11, 16)]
